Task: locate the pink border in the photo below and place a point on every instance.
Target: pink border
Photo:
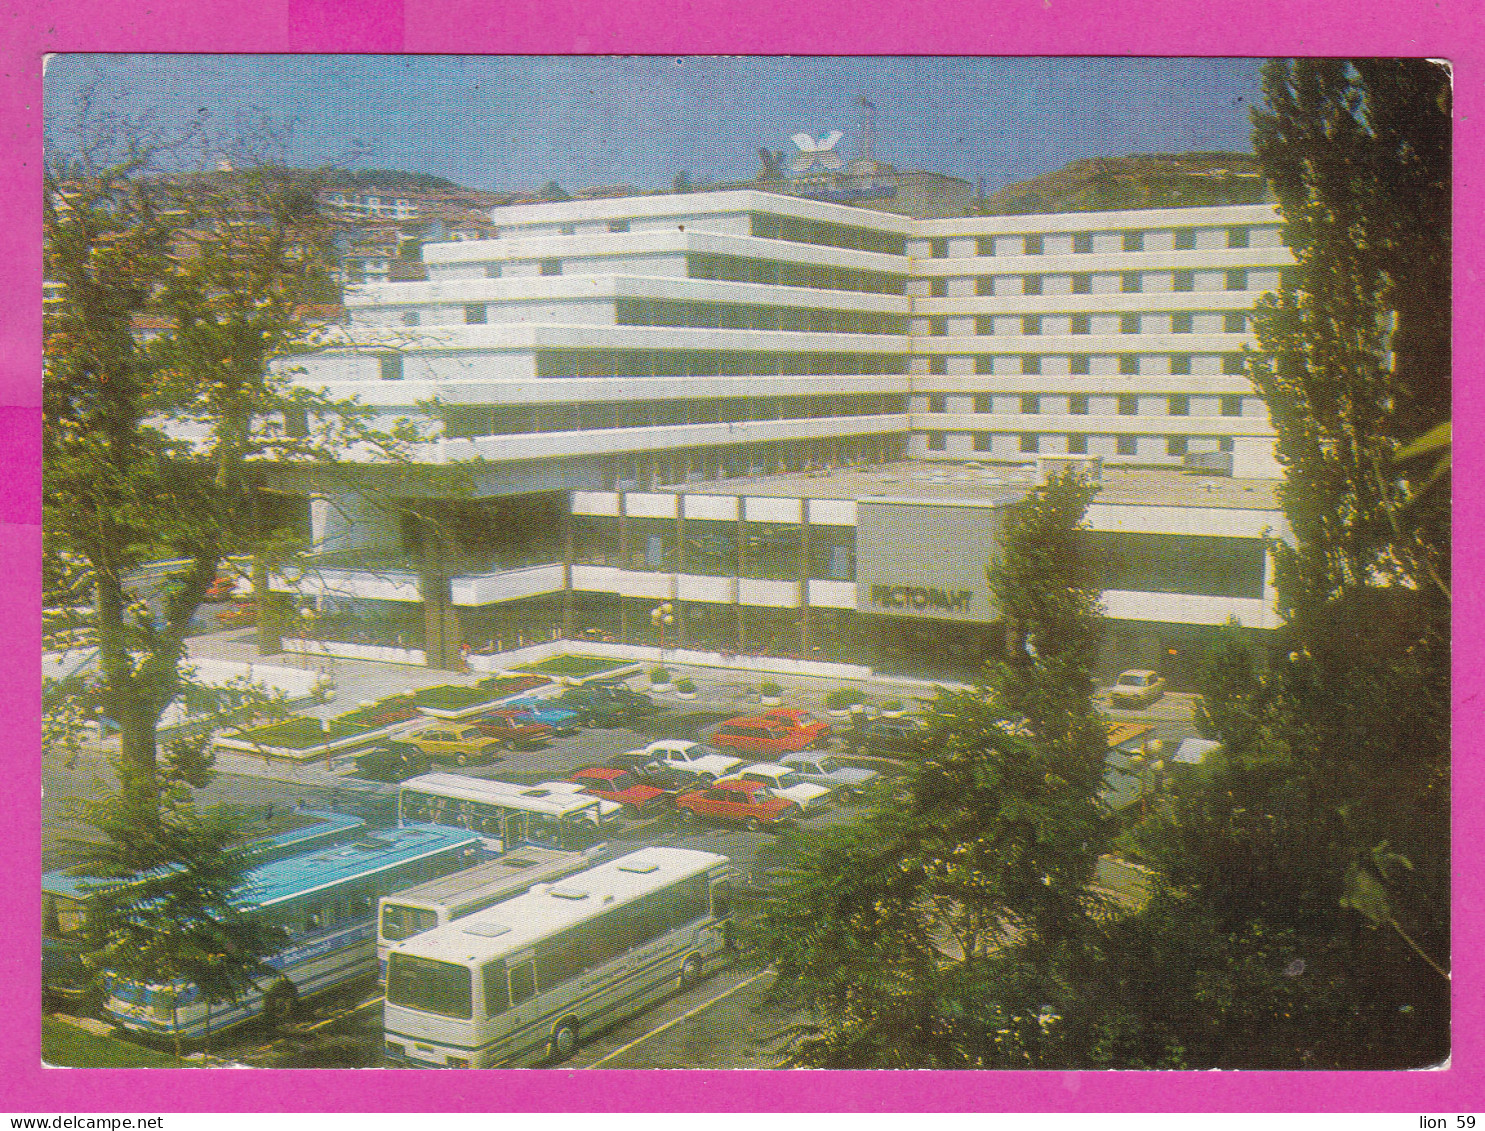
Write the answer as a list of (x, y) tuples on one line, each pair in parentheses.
[(1446, 29)]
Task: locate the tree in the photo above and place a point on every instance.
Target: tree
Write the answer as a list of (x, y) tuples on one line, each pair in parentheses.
[(177, 297), (166, 908), (952, 926), (1305, 873)]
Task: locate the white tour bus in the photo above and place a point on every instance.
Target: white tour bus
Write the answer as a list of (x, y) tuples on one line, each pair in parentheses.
[(447, 898), (519, 982), (504, 815)]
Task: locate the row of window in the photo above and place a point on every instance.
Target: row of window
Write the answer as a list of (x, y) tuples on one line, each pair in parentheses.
[(1079, 364), (771, 227), (1172, 322), (729, 316), (510, 419), (1085, 283), (1029, 443), (717, 548), (736, 269), (1177, 404), (1182, 239), (711, 363)]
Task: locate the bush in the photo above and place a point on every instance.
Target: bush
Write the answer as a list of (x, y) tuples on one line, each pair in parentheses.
[(843, 697), (893, 705), (685, 686), (659, 675), (771, 691)]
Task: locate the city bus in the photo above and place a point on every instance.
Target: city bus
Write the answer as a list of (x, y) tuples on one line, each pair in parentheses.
[(505, 815), (440, 901), (326, 900), (520, 982), (67, 893)]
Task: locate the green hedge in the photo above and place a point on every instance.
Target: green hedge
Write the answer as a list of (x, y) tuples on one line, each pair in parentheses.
[(575, 667), (301, 733)]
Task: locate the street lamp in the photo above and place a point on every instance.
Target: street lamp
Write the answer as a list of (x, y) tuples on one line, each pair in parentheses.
[(660, 616)]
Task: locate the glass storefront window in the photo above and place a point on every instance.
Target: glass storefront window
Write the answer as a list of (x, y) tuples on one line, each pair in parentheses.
[(711, 547), (772, 550)]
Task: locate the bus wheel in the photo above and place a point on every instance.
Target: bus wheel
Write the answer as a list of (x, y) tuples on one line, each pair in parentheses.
[(564, 1040), (280, 1002), (461, 759), (690, 972)]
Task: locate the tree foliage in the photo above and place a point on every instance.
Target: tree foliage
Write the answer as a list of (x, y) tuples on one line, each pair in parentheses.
[(950, 927)]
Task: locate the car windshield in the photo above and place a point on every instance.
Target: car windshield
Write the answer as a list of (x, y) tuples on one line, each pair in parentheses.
[(702, 750), (826, 766), (1132, 680), (792, 778)]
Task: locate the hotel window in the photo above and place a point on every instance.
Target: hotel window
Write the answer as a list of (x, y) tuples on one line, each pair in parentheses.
[(1234, 322), (938, 288), (474, 314), (1031, 363), (390, 365), (411, 318), (1080, 324), (1126, 446), (984, 324), (1180, 364), (1029, 442), (1031, 324), (1031, 404), (1224, 444), (984, 402), (1077, 404), (1237, 279), (982, 441), (936, 442), (568, 229), (1031, 284), (1129, 364), (1180, 323), (937, 402), (1175, 445), (1082, 284), (1033, 245), (1131, 283), (1237, 237), (985, 285), (1129, 405), (1178, 404), (1082, 242), (1232, 364), (1129, 323), (938, 326), (1077, 364), (1077, 444), (1232, 406), (1134, 241), (985, 245), (1185, 239), (618, 225), (938, 365), (939, 248), (551, 266), (1183, 281), (492, 270), (985, 363)]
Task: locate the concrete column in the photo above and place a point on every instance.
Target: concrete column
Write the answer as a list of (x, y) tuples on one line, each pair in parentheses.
[(804, 578), (742, 553), (567, 551), (624, 564), (680, 567), (441, 637)]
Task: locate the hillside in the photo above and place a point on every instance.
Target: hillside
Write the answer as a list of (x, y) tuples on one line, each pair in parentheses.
[(1146, 180)]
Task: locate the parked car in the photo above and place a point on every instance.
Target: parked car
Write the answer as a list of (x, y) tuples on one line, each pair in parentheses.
[(221, 587), (828, 770), (607, 704), (562, 720), (460, 743), (699, 761), (624, 787), (652, 771), (760, 737), (905, 735), (747, 802), (794, 718), (392, 762), (512, 729), (1137, 688), (786, 783)]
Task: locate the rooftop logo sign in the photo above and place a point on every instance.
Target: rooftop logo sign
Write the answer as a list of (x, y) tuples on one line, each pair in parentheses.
[(921, 598)]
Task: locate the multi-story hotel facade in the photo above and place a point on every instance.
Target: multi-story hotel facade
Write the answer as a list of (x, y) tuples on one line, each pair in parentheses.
[(597, 356)]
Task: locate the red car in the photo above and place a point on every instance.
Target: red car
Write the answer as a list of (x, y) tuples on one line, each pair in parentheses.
[(818, 729), (761, 735), (511, 729), (623, 786), (748, 802), (239, 614)]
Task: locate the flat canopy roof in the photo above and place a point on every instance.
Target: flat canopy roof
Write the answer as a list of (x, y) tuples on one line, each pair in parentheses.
[(992, 484)]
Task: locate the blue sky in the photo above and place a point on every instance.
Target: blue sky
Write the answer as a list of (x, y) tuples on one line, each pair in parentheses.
[(510, 123)]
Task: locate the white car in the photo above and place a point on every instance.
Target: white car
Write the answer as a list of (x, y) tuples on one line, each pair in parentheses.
[(788, 784), (1137, 688), (825, 769), (695, 759)]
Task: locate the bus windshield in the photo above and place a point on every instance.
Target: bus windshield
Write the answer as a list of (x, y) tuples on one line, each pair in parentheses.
[(430, 985), (402, 922)]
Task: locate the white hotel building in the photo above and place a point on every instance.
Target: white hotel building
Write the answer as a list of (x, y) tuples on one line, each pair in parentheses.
[(597, 382)]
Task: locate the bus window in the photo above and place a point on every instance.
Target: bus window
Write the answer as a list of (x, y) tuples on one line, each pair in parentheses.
[(721, 899), (522, 983), (399, 922), (497, 999)]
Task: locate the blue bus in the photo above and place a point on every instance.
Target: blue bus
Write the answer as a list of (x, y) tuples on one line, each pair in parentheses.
[(66, 894), (326, 899)]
